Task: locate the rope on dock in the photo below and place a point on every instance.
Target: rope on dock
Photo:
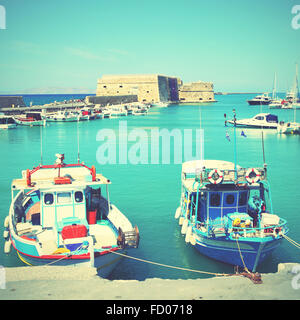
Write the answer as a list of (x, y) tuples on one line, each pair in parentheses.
[(169, 266)]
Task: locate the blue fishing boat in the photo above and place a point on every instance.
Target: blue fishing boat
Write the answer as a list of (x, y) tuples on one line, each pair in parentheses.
[(61, 214), (226, 212)]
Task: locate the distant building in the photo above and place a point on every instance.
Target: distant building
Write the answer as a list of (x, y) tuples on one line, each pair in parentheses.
[(196, 92), (148, 88), (11, 102)]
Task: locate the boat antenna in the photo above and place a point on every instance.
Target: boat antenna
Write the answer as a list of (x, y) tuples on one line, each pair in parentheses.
[(78, 153), (262, 139), (235, 153), (41, 139)]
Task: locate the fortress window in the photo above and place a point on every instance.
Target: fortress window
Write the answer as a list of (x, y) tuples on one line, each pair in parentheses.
[(104, 86), (121, 86)]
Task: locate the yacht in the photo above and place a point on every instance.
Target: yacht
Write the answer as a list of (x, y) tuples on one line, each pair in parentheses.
[(263, 99), (261, 120)]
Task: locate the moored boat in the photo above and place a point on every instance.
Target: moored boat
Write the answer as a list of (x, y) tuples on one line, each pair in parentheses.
[(61, 214), (263, 99), (7, 122), (62, 116), (30, 119), (261, 120), (226, 212)]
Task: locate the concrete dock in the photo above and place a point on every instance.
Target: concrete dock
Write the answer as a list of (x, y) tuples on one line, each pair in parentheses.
[(71, 283)]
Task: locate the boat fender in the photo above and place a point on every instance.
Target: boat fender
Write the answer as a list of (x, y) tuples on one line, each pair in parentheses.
[(181, 219), (215, 176), (178, 212), (6, 222), (184, 226), (7, 246), (252, 175), (192, 240), (93, 172), (28, 177), (188, 234), (236, 222), (5, 234)]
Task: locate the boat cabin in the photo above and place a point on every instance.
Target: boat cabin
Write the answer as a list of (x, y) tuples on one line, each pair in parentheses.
[(205, 201), (267, 117)]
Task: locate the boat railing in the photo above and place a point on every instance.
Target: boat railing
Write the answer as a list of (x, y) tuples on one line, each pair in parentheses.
[(224, 229), (229, 175)]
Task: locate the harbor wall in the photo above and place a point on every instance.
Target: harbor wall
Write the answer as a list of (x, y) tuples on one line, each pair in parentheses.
[(11, 102), (71, 283), (110, 100), (197, 92)]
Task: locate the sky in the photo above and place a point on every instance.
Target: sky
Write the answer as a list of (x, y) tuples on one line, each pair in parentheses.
[(64, 46)]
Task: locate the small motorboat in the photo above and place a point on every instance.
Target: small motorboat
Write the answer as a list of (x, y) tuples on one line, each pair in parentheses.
[(261, 120), (276, 104), (288, 127), (263, 99), (61, 215), (226, 212)]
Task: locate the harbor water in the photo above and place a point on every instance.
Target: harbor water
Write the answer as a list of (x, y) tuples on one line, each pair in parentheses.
[(148, 194)]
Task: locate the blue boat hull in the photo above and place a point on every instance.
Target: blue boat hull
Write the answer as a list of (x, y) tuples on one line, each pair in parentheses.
[(250, 254)]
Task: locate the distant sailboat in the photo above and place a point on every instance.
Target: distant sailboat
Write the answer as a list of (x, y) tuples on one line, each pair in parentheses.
[(293, 96), (276, 102)]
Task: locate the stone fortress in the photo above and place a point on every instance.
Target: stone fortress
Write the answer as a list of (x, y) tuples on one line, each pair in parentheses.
[(151, 88)]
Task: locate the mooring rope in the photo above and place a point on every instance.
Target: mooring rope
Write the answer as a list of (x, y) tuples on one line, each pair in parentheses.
[(169, 266), (238, 245), (293, 242)]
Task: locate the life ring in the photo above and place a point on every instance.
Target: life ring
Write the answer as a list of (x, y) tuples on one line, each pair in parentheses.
[(252, 175), (212, 176)]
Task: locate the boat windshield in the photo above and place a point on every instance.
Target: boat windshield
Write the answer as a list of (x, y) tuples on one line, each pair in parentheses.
[(272, 118)]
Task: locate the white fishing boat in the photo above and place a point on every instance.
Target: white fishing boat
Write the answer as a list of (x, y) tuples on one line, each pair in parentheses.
[(87, 113), (261, 120), (118, 111), (7, 122), (61, 215), (62, 116), (30, 119)]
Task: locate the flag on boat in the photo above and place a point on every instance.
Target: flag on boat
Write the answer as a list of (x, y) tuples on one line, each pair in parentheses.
[(243, 134), (227, 136)]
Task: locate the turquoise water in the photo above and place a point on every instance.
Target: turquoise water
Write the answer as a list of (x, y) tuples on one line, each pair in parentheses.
[(149, 193)]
